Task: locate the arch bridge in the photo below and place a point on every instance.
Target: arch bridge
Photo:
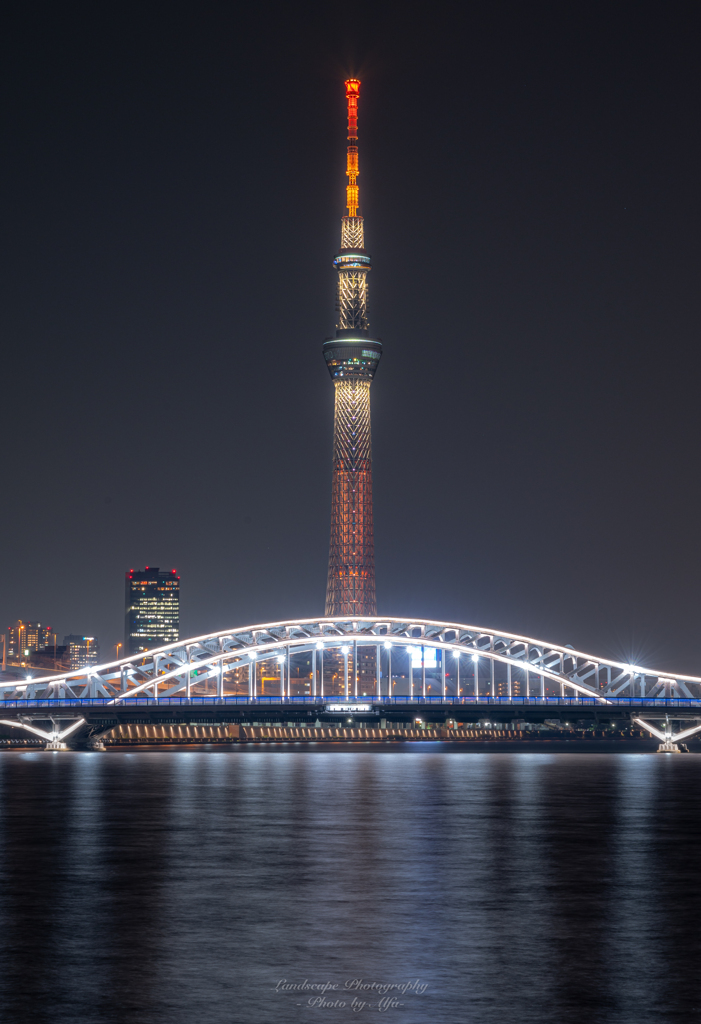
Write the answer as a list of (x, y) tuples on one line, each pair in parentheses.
[(396, 667)]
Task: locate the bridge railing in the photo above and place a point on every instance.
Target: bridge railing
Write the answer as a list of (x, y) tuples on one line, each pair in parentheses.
[(107, 702)]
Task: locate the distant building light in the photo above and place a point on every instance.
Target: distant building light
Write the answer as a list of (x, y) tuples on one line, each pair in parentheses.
[(429, 659)]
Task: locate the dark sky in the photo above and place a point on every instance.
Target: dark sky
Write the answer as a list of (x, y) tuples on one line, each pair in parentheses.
[(172, 187)]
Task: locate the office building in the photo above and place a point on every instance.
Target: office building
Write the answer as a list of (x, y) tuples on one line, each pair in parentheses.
[(25, 637), (81, 650), (152, 609)]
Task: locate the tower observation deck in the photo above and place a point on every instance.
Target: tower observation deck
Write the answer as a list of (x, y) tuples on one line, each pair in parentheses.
[(352, 358)]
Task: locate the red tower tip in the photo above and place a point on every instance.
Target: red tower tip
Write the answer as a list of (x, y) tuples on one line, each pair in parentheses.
[(352, 95)]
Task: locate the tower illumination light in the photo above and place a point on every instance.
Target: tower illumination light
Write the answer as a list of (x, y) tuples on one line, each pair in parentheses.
[(352, 358)]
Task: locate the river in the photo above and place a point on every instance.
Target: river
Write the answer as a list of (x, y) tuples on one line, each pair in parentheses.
[(248, 886)]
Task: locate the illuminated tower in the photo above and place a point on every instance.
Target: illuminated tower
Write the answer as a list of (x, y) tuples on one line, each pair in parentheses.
[(352, 358)]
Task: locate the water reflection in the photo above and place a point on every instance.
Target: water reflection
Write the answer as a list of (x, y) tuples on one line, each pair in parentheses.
[(158, 886)]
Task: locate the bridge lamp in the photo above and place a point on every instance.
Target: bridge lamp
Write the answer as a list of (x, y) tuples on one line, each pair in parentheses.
[(632, 669), (319, 647), (387, 645), (475, 657), (281, 658), (456, 654), (252, 655), (345, 650)]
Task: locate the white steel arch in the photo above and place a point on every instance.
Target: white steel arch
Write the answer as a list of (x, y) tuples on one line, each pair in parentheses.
[(491, 661)]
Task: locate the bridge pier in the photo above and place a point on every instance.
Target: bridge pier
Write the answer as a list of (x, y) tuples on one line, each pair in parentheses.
[(668, 744), (54, 739), (668, 748)]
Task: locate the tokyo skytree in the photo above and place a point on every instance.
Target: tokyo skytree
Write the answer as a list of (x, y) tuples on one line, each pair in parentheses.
[(352, 358)]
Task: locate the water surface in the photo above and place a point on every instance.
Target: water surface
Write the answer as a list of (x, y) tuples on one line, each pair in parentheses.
[(175, 887)]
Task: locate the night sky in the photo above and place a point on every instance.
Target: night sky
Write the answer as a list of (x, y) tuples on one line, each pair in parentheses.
[(172, 188)]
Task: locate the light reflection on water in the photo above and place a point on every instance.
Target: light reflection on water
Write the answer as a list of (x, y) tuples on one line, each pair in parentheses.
[(182, 886)]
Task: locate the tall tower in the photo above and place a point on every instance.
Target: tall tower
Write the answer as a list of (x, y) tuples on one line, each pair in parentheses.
[(352, 359)]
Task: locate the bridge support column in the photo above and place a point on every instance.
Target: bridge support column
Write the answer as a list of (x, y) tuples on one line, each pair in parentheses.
[(378, 670), (355, 668), (55, 740), (527, 673), (669, 741)]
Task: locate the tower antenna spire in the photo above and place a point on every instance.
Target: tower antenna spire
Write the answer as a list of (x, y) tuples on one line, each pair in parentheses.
[(352, 358), (352, 191)]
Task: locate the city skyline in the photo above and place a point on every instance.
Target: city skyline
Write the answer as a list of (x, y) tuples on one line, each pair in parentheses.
[(530, 205)]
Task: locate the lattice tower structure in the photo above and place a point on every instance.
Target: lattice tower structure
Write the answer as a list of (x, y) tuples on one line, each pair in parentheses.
[(352, 358)]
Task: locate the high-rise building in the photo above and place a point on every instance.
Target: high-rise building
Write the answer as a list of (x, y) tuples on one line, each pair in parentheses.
[(352, 358), (152, 609), (25, 637), (81, 650)]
